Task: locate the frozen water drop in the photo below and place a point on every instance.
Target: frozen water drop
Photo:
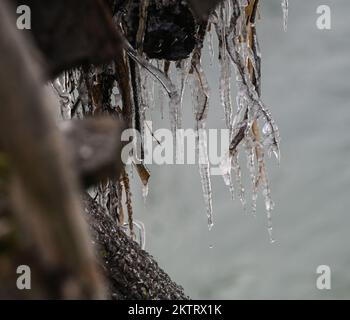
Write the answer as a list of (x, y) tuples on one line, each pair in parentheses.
[(269, 204), (225, 167), (271, 238), (274, 150), (145, 192), (267, 129)]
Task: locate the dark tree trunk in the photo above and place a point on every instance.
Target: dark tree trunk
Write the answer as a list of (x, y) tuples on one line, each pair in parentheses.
[(131, 272)]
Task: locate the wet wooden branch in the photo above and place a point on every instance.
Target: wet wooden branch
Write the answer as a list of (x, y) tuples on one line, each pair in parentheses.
[(95, 144), (72, 33), (131, 272), (203, 8), (44, 190), (81, 32)]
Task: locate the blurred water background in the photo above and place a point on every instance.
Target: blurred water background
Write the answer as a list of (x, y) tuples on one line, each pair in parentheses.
[(306, 84)]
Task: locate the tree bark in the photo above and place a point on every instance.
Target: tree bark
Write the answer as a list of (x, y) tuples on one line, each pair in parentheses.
[(44, 189), (131, 272), (95, 145)]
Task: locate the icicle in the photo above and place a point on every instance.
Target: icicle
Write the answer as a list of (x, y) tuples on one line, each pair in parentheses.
[(285, 9), (238, 176), (269, 206), (167, 84), (158, 74), (164, 80), (246, 90), (64, 98), (183, 70), (226, 169), (263, 178), (271, 135), (161, 101), (204, 171), (210, 44), (148, 87), (152, 95), (145, 101), (225, 70), (250, 150), (175, 111), (145, 192), (251, 106), (138, 232), (200, 96), (225, 91), (160, 90), (141, 233)]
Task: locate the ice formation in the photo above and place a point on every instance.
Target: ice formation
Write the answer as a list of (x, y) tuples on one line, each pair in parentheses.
[(285, 8), (253, 132)]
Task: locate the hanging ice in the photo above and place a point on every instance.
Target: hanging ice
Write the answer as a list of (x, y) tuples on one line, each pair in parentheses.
[(225, 89), (225, 167), (138, 233), (182, 71), (210, 44), (269, 205), (253, 132), (204, 171), (145, 192), (285, 8), (250, 150), (224, 62), (238, 177), (241, 45), (164, 80), (64, 98), (200, 97), (169, 87)]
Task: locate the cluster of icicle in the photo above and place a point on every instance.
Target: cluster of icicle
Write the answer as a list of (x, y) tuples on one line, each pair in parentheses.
[(242, 120), (75, 102), (250, 113), (251, 126)]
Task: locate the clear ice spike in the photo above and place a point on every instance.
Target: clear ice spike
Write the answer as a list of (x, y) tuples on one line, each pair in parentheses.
[(285, 7), (204, 171)]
